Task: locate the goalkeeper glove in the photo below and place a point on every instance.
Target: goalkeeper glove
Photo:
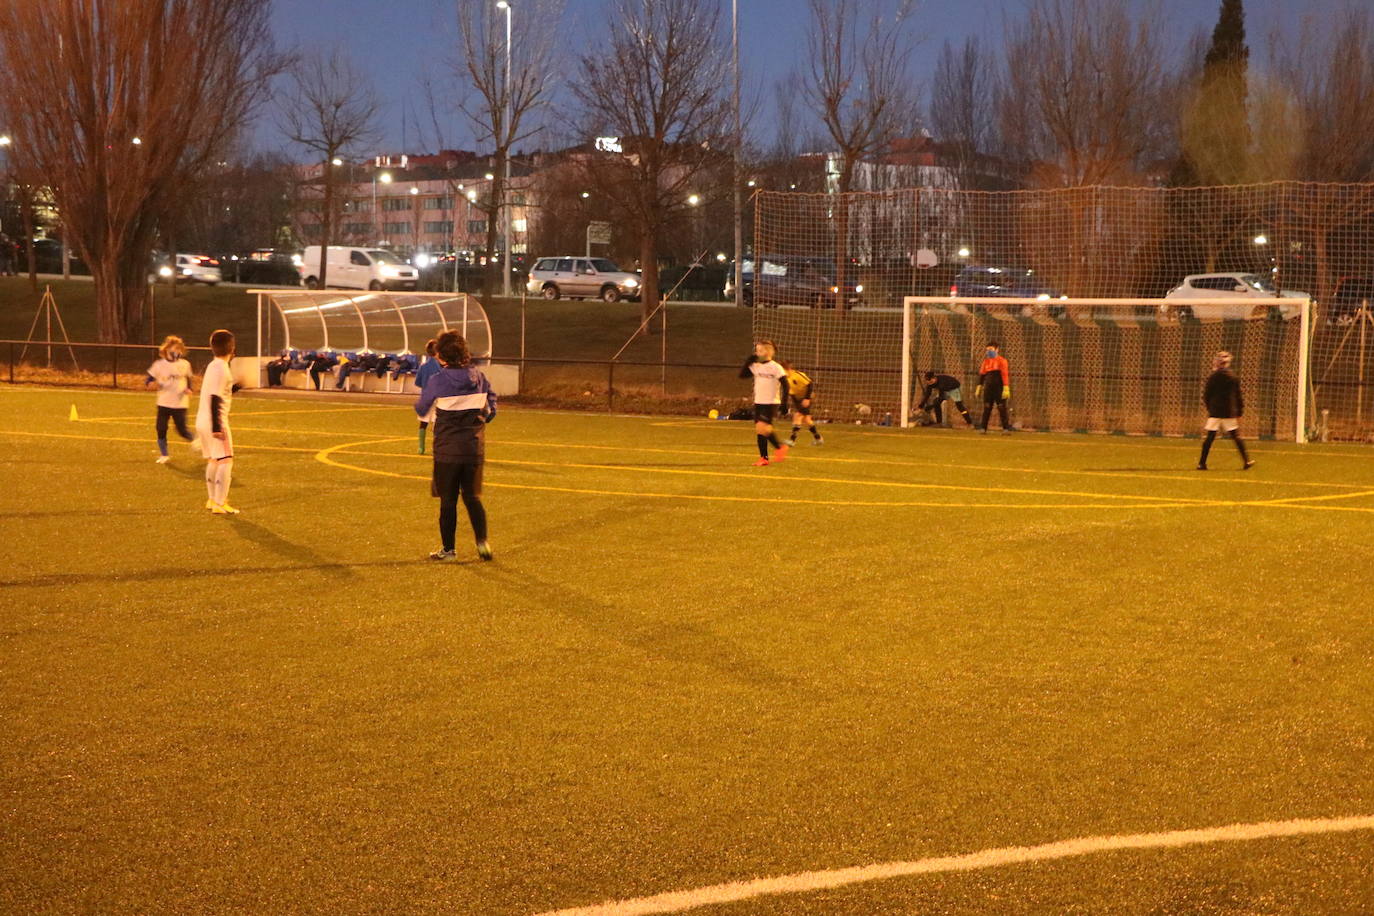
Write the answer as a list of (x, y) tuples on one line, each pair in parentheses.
[(1006, 393)]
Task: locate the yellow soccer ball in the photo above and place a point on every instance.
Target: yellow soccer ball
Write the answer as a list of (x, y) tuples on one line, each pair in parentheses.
[(713, 414)]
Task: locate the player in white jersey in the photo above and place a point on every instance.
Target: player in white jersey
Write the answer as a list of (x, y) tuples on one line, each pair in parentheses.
[(171, 376), (212, 424), (770, 399)]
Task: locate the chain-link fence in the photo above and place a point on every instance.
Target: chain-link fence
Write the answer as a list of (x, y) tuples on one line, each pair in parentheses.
[(863, 251)]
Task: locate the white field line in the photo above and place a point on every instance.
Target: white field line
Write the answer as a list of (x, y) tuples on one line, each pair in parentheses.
[(802, 882)]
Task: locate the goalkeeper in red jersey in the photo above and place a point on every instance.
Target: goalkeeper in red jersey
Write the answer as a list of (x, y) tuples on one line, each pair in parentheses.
[(994, 384)]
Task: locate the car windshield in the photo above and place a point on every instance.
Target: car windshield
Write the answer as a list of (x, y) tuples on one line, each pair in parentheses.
[(1259, 283), (385, 257), (605, 266)]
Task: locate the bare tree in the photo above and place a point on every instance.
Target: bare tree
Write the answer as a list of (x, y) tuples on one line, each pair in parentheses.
[(331, 111), (1081, 91), (655, 83), (962, 114), (857, 79), (1330, 76), (858, 83), (504, 102), (150, 92)]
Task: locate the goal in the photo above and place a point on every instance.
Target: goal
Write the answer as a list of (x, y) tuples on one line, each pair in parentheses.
[(1117, 366)]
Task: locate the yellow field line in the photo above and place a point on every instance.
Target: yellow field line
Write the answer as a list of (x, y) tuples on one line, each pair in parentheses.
[(326, 456), (826, 458)]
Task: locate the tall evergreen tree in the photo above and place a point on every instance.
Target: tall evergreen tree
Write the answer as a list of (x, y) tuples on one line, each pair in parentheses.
[(1216, 125)]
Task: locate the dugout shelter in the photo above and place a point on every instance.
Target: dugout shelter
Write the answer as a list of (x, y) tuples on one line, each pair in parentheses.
[(353, 322)]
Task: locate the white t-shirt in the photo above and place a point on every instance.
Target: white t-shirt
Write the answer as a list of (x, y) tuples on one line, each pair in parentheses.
[(217, 381), (173, 377), (768, 382)]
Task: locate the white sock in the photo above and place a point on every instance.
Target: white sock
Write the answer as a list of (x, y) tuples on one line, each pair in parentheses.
[(210, 480), (222, 476)]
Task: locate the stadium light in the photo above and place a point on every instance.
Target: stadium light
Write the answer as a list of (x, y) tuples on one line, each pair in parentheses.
[(489, 176), (751, 182), (1261, 239), (720, 256), (964, 252), (693, 199), (384, 178), (585, 195), (136, 141), (414, 190), (6, 140), (336, 161)]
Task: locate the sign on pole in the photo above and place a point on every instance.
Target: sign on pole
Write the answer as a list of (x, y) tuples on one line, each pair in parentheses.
[(598, 233)]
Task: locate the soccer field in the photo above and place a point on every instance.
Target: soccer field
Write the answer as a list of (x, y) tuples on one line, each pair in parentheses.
[(910, 650)]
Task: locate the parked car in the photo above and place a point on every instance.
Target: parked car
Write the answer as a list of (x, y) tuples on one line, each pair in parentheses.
[(189, 268), (1351, 295), (979, 282), (265, 266), (358, 268), (47, 258), (797, 281), (993, 282), (582, 278), (1239, 296)]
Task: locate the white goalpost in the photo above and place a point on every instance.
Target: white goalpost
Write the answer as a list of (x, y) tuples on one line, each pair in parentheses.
[(1119, 366)]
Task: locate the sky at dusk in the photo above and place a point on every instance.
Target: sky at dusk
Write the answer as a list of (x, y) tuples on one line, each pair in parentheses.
[(398, 41)]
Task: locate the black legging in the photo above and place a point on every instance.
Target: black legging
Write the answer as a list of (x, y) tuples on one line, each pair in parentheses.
[(1001, 404), (177, 415), (465, 486)]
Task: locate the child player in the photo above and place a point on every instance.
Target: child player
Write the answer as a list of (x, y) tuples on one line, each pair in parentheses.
[(800, 391), (940, 388), (422, 375), (1225, 406), (212, 424), (171, 375), (463, 405), (770, 399), (994, 384)]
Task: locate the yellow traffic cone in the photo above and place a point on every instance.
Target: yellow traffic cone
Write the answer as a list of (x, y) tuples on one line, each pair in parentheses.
[(72, 416)]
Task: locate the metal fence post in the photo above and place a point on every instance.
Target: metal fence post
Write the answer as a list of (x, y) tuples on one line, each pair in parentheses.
[(610, 386), (114, 366)]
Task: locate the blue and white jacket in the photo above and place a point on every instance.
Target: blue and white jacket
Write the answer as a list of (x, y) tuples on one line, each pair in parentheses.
[(463, 405)]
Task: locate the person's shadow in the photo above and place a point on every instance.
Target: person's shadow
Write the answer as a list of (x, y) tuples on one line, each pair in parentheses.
[(298, 554)]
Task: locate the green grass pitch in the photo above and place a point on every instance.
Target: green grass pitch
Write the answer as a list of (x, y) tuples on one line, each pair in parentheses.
[(680, 671)]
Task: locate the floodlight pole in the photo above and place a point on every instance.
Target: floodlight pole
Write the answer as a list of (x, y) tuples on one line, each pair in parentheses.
[(739, 139), (504, 202)]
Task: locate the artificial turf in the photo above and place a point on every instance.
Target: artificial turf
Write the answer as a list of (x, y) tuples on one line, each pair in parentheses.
[(679, 670)]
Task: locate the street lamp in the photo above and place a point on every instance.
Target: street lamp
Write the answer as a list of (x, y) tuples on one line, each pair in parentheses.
[(1261, 239), (964, 252), (336, 161), (693, 200), (504, 202)]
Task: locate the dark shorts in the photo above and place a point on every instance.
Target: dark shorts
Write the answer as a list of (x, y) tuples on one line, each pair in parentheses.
[(799, 409), (765, 413), (451, 480)]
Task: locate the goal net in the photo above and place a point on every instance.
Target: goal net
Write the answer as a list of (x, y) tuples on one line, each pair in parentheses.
[(1122, 366)]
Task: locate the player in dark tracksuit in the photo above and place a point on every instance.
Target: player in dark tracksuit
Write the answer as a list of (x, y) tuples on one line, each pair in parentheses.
[(463, 405), (940, 388), (1225, 406), (994, 384)]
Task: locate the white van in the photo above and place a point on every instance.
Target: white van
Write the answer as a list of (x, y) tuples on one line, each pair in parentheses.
[(358, 268)]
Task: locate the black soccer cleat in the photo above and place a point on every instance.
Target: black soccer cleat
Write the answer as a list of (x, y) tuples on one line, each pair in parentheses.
[(1202, 467), (1249, 463), (484, 550)]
